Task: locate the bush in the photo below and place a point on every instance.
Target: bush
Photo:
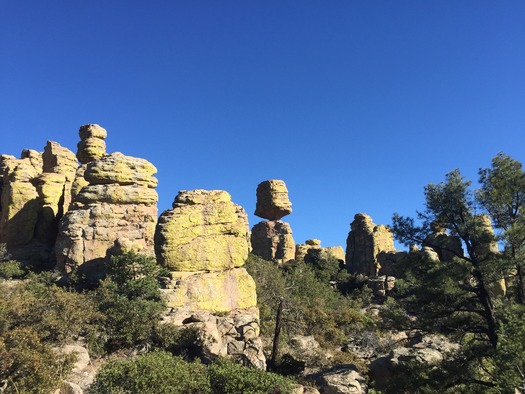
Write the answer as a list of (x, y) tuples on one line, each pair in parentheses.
[(230, 378), (130, 300), (11, 269), (153, 373), (160, 372), (29, 366), (313, 306)]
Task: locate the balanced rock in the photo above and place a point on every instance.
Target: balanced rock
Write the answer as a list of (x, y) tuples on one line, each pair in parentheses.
[(117, 208), (365, 241), (273, 241), (272, 200), (205, 231), (92, 145)]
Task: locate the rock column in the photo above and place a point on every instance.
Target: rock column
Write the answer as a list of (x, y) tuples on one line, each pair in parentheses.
[(272, 239), (115, 210), (204, 242)]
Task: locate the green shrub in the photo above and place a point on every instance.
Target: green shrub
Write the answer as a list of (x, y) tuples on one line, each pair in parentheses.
[(11, 269), (153, 373), (29, 366), (229, 378), (313, 307)]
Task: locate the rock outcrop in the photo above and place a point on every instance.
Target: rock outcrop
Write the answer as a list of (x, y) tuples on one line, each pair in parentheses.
[(273, 240), (365, 241), (272, 200), (204, 242), (312, 249), (116, 211), (36, 191)]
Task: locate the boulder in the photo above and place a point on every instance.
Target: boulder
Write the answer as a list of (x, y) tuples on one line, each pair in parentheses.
[(233, 334), (272, 200), (365, 241), (120, 169), (205, 230), (340, 379), (273, 241)]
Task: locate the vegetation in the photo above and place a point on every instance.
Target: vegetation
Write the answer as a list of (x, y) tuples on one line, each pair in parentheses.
[(465, 298), (162, 373)]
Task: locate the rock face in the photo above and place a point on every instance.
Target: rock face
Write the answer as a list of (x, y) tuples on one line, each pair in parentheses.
[(365, 241), (36, 191), (116, 210), (272, 200), (273, 241), (203, 242), (204, 231)]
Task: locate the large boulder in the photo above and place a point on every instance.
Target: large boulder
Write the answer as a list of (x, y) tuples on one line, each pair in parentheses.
[(340, 379), (273, 241), (205, 230), (365, 241), (272, 200)]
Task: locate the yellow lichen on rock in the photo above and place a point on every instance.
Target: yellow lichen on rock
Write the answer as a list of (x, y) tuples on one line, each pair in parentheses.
[(121, 169), (203, 231), (211, 291)]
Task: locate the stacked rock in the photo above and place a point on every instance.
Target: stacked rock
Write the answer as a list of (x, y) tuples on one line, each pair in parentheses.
[(116, 211), (92, 145), (204, 242), (272, 239)]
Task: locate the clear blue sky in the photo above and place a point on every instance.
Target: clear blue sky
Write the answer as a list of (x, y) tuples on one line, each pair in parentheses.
[(356, 105)]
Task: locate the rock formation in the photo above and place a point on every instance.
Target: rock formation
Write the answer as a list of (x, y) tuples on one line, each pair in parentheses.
[(92, 145), (116, 211), (312, 249), (446, 246), (272, 240), (36, 191), (204, 241), (272, 200), (365, 241)]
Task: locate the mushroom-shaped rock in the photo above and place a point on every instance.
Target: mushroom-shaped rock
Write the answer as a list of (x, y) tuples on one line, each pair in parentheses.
[(272, 200)]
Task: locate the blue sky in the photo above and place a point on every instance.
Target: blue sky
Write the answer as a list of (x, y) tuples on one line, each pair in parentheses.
[(356, 105)]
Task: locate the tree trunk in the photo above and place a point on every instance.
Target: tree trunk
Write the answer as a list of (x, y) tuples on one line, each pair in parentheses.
[(276, 337)]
